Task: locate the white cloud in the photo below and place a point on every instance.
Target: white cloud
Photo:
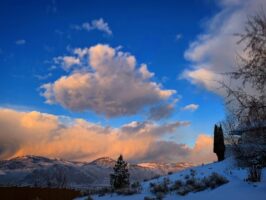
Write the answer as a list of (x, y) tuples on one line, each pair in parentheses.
[(191, 107), (215, 51), (96, 24), (203, 77), (20, 42), (67, 61), (44, 134), (107, 81)]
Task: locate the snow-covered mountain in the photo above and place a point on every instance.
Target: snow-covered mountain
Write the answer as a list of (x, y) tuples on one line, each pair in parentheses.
[(41, 171), (165, 168)]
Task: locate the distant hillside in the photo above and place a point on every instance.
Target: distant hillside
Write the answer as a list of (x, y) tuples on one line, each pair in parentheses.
[(43, 172)]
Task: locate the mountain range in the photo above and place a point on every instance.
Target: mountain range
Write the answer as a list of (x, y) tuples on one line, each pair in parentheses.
[(46, 172)]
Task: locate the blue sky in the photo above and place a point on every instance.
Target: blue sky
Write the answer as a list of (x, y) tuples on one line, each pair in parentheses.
[(142, 65), (33, 33)]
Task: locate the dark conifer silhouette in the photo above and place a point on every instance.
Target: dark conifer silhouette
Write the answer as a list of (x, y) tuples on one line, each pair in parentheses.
[(120, 177), (218, 144)]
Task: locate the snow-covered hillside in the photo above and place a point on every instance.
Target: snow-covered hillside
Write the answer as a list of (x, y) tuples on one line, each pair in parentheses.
[(165, 168), (40, 171), (235, 189)]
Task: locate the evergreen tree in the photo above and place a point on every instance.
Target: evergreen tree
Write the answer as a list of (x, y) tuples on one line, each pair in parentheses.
[(218, 144), (120, 177)]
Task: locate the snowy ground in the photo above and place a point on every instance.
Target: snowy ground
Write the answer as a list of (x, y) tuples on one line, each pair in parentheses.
[(236, 189)]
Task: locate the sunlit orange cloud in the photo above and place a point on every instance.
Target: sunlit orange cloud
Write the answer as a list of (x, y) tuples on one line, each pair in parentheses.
[(36, 133), (203, 149)]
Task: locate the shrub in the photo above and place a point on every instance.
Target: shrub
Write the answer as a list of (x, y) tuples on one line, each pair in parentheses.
[(161, 187), (149, 198), (254, 174), (159, 195), (177, 184), (126, 191), (183, 191), (191, 184), (191, 181), (192, 172), (214, 180), (103, 191), (199, 185), (187, 176), (136, 186)]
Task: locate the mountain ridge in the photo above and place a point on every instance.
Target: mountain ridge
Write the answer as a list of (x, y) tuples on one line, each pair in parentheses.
[(41, 171)]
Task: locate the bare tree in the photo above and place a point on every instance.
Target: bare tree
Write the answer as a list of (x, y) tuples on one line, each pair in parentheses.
[(247, 104)]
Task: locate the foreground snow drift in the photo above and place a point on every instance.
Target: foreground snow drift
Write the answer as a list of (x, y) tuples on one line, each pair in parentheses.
[(236, 188)]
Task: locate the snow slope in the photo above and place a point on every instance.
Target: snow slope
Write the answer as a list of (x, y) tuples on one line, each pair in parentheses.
[(236, 189)]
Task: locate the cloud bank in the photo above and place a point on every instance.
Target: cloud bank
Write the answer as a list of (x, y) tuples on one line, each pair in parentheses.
[(107, 81), (44, 134)]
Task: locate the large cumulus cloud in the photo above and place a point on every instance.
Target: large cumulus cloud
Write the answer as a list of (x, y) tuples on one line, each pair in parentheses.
[(215, 50), (107, 81), (43, 134)]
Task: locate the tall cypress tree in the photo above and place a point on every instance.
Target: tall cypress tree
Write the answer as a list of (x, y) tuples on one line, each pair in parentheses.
[(120, 177), (218, 143)]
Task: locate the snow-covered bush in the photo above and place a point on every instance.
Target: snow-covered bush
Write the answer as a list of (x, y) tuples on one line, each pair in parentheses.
[(189, 184), (162, 187), (214, 180)]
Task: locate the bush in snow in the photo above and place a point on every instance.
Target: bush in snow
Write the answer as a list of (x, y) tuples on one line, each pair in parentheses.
[(136, 186), (101, 191), (159, 195), (160, 187), (177, 185), (190, 184), (254, 174), (214, 180), (183, 191), (187, 176), (149, 198), (133, 189), (126, 191)]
